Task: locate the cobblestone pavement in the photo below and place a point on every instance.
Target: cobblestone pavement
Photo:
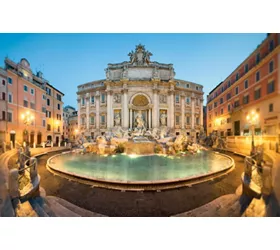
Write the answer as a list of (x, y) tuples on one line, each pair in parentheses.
[(148, 203)]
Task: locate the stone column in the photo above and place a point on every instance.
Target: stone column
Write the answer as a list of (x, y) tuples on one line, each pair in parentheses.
[(201, 112), (155, 107), (150, 118), (125, 106), (109, 109), (171, 105), (183, 110), (97, 103), (193, 110), (87, 110), (79, 112), (130, 118)]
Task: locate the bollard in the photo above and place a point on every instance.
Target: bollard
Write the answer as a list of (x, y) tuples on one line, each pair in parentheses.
[(13, 184), (12, 145), (51, 144), (65, 144), (59, 144), (43, 145), (34, 145), (4, 147), (33, 169)]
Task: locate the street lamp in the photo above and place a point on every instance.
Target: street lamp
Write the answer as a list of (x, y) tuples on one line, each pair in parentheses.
[(27, 120), (252, 119), (76, 132)]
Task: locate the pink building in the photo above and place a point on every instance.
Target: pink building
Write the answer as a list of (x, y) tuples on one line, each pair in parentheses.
[(33, 106)]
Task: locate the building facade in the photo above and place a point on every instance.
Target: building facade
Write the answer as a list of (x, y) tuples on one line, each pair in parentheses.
[(30, 95), (3, 104), (73, 126), (254, 86), (68, 112), (140, 88)]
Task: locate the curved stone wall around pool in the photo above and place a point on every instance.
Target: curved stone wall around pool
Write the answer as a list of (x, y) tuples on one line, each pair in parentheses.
[(146, 169)]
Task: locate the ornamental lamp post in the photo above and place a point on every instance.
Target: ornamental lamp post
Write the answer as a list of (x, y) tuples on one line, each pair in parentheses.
[(252, 119), (27, 120)]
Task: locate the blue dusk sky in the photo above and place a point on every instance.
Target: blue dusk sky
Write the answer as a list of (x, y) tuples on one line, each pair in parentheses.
[(68, 60)]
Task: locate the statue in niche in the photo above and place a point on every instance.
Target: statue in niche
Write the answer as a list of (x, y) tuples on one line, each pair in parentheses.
[(163, 99), (163, 117), (117, 98), (117, 119), (139, 120)]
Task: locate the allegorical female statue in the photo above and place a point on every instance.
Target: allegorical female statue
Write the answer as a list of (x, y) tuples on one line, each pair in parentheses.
[(163, 119), (117, 119)]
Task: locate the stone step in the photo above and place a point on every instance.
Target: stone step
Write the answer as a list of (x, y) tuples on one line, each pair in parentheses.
[(25, 210), (78, 210), (257, 208), (59, 210), (39, 210)]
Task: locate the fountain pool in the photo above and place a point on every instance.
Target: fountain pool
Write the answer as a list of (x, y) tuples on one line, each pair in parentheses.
[(140, 169)]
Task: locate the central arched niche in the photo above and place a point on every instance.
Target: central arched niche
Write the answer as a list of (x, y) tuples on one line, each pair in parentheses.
[(140, 100)]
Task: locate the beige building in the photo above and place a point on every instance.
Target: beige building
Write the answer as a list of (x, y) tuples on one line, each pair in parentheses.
[(140, 90), (68, 112)]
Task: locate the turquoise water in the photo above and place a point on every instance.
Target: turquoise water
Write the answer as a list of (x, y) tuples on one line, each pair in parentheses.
[(140, 168)]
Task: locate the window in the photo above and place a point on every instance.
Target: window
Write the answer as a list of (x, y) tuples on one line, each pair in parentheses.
[(246, 85), (228, 84), (32, 105), (10, 116), (188, 100), (58, 128), (216, 113), (197, 120), (32, 91), (188, 120), (188, 86), (271, 45), (44, 97), (44, 123), (257, 76), (258, 58), (48, 102), (103, 119), (246, 68), (58, 97), (177, 120), (25, 88), (270, 107), (258, 94), (236, 76), (92, 120), (236, 90), (48, 114), (246, 99), (92, 100), (196, 88), (58, 106), (3, 82), (103, 98), (25, 103), (236, 104), (3, 96), (271, 66), (228, 96), (215, 104), (10, 97), (44, 109), (10, 80), (228, 107), (222, 111), (58, 117), (49, 127), (221, 100), (83, 101), (3, 115), (49, 91), (177, 99), (270, 87)]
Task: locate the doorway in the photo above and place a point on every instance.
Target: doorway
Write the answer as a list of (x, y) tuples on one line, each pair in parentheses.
[(237, 128), (39, 138), (13, 138), (57, 140)]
